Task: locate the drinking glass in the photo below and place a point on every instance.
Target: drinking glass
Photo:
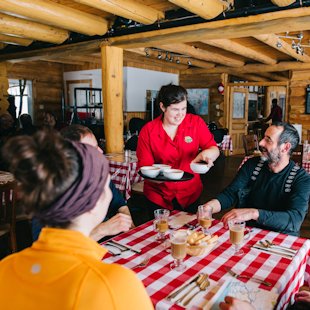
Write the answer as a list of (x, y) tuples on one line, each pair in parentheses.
[(161, 223), (178, 240), (204, 216), (236, 235)]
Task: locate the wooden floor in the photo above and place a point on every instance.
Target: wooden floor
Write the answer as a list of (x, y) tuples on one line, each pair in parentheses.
[(214, 181)]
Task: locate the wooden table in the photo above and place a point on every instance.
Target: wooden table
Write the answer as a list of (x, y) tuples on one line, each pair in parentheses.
[(285, 275), (124, 172)]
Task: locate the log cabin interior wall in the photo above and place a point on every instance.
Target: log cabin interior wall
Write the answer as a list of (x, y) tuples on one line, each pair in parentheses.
[(47, 85)]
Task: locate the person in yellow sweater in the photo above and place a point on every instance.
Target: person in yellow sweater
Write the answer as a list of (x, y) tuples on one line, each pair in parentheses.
[(66, 185)]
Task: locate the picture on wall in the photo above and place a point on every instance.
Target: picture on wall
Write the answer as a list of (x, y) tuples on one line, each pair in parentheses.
[(199, 98)]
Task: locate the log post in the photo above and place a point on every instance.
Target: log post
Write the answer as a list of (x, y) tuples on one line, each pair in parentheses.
[(112, 87)]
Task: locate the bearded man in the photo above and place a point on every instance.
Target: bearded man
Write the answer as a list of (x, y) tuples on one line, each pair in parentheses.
[(270, 192)]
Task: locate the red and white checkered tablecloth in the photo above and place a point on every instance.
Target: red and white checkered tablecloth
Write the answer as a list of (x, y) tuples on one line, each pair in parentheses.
[(124, 174), (305, 165), (285, 275), (226, 144)]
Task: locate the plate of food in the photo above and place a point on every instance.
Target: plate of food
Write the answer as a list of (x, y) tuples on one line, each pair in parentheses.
[(199, 244)]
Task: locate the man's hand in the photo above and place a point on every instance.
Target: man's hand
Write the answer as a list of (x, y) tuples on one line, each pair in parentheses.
[(303, 296), (115, 225), (245, 214), (232, 303)]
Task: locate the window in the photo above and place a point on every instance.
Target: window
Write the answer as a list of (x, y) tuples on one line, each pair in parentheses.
[(15, 89)]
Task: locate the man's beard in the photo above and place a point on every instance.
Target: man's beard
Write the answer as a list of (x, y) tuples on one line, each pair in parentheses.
[(273, 157)]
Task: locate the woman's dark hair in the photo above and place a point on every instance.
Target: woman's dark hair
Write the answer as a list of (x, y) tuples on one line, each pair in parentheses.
[(171, 94), (45, 165)]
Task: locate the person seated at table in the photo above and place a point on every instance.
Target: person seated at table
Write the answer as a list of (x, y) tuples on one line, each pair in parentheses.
[(175, 138), (118, 218), (66, 185), (271, 192)]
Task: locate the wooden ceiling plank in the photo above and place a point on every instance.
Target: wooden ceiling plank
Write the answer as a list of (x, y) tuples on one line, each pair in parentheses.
[(273, 76), (201, 54), (250, 77), (31, 30), (183, 61), (207, 9), (272, 40), (63, 61), (294, 20), (240, 49), (129, 9), (257, 68), (14, 40), (54, 14)]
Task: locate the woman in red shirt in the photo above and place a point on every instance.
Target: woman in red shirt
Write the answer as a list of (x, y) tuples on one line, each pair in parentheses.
[(175, 138)]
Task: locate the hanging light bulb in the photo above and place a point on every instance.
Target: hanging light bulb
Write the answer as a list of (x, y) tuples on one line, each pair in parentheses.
[(279, 44), (178, 60), (167, 57), (189, 62), (160, 56), (147, 54)]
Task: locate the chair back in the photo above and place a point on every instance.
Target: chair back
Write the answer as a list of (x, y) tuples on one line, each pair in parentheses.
[(219, 134), (8, 212), (250, 144), (297, 154)]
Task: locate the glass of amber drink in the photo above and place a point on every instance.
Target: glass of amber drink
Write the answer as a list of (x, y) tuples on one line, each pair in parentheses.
[(204, 216), (178, 241), (161, 223), (236, 235)]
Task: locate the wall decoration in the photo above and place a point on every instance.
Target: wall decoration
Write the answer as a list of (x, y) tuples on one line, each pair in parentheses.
[(199, 98)]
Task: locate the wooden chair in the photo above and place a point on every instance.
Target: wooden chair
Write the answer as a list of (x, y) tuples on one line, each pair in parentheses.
[(250, 144), (137, 188), (297, 154), (8, 213)]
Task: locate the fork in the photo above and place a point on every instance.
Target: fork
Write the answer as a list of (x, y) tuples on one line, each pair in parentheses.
[(143, 263), (271, 244), (202, 287), (236, 275)]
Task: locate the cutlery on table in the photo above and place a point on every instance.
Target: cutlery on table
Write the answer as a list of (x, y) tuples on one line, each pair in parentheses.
[(202, 287), (124, 246), (201, 278), (240, 276), (281, 247), (273, 251), (177, 292), (121, 249), (145, 261)]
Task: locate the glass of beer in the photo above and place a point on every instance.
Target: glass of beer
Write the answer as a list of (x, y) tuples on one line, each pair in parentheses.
[(236, 234), (178, 240), (161, 225), (204, 216)]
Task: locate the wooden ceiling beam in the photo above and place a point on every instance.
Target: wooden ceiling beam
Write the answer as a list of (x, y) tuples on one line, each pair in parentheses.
[(14, 40), (201, 54), (257, 68), (250, 77), (63, 61), (31, 30), (139, 59), (207, 9), (154, 55), (273, 76), (58, 15), (293, 20), (272, 40), (240, 49), (129, 9)]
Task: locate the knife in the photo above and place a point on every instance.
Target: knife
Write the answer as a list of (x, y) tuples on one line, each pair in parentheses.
[(287, 255), (281, 247), (126, 246)]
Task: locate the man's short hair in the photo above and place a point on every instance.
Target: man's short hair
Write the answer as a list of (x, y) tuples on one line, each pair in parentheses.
[(75, 132), (289, 134)]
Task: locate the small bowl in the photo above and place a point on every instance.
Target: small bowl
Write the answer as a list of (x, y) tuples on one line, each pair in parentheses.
[(199, 167), (162, 167), (150, 171), (173, 174)]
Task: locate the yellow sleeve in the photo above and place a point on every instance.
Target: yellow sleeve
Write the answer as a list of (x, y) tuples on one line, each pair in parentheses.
[(113, 287)]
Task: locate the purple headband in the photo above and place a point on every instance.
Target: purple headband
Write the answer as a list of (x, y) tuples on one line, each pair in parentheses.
[(84, 193)]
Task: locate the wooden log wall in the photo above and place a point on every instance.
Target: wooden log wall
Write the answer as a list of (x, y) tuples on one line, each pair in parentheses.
[(4, 85), (297, 100), (216, 100), (47, 85)]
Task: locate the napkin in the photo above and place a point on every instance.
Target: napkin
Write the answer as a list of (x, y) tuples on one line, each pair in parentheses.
[(273, 251)]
